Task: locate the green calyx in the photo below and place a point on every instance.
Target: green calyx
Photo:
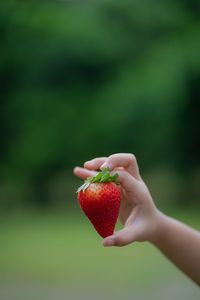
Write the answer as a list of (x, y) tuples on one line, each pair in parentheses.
[(103, 176)]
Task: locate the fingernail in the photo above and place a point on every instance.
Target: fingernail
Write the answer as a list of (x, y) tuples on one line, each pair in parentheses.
[(88, 162), (109, 242), (111, 167), (105, 165)]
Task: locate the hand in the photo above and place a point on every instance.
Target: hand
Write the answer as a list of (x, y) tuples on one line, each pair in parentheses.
[(138, 212)]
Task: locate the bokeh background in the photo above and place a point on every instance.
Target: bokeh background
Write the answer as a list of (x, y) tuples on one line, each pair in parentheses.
[(80, 79)]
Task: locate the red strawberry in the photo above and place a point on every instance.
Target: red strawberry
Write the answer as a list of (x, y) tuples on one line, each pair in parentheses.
[(99, 198)]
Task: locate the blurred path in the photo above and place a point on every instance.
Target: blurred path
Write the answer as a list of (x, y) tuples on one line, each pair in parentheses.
[(37, 290)]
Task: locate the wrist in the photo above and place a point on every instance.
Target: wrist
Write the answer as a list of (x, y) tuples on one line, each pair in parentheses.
[(160, 222)]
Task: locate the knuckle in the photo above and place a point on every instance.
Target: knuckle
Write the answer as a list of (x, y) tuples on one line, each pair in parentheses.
[(132, 157), (120, 240), (112, 156)]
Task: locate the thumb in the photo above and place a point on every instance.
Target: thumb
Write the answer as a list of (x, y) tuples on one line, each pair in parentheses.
[(120, 238)]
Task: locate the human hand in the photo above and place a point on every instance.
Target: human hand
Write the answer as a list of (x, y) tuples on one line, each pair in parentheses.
[(138, 212)]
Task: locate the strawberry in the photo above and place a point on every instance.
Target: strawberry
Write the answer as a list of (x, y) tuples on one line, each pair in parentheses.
[(99, 198)]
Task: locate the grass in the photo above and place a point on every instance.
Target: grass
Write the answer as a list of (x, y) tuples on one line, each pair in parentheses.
[(63, 249)]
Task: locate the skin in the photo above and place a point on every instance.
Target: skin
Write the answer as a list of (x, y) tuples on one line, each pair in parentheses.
[(142, 220)]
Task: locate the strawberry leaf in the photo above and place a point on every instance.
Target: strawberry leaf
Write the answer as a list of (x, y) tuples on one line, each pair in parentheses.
[(83, 187), (103, 176), (96, 178)]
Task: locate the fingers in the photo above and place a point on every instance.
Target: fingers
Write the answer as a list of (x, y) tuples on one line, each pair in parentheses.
[(128, 182), (130, 185), (89, 167), (95, 163), (120, 238), (83, 173), (125, 160), (119, 160)]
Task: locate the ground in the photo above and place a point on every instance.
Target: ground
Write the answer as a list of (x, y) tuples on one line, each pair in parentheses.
[(59, 256)]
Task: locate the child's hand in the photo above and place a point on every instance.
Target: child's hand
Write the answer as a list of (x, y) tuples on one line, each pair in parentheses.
[(138, 212), (142, 220)]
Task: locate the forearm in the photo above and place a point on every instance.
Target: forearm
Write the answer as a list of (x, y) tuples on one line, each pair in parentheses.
[(181, 245)]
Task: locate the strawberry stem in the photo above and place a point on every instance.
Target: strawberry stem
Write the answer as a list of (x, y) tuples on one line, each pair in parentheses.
[(103, 176)]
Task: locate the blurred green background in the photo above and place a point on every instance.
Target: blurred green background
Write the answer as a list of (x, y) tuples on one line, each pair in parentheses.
[(80, 79)]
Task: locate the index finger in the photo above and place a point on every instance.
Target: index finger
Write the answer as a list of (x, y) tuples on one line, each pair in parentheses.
[(95, 163), (125, 160)]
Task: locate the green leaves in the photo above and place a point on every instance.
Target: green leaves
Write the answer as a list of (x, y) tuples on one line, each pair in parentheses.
[(103, 176), (106, 177)]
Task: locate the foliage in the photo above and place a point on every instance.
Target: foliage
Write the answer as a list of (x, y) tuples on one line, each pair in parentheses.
[(81, 79)]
